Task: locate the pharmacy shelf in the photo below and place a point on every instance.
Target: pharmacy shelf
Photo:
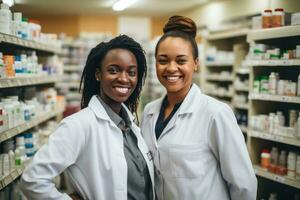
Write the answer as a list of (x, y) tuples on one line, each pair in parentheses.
[(276, 138), (242, 89), (277, 178), (273, 33), (243, 128), (28, 125), (277, 98), (74, 85), (25, 81), (271, 63), (73, 96), (243, 71), (214, 78), (229, 95), (72, 68), (13, 175), (228, 34), (219, 63), (241, 106), (22, 43)]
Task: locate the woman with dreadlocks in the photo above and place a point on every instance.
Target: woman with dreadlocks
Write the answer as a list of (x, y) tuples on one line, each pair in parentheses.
[(99, 148)]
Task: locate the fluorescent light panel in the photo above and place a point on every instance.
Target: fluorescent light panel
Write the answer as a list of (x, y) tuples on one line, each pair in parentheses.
[(122, 4)]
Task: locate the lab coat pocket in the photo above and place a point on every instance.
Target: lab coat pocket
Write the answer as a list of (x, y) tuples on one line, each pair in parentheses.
[(186, 161)]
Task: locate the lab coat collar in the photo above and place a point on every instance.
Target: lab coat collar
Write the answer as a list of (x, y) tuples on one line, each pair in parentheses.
[(186, 106), (100, 112)]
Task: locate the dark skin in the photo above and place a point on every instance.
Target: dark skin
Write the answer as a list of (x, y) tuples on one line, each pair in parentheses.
[(118, 77)]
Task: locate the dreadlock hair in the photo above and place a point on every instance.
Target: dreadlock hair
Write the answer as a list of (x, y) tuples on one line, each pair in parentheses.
[(90, 86), (182, 27)]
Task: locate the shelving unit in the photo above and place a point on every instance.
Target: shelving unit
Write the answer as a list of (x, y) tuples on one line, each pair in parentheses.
[(13, 175), (276, 138), (224, 88), (277, 178), (261, 103), (75, 53), (17, 172), (277, 98), (30, 124), (13, 41), (9, 45), (27, 81)]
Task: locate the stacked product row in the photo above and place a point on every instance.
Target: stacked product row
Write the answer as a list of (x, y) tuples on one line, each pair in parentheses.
[(26, 65), (16, 25), (275, 123)]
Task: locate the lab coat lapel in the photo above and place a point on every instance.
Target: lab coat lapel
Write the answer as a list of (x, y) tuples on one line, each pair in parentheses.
[(185, 108), (151, 117)]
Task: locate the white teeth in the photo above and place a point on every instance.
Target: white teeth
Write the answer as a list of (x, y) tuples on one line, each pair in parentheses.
[(172, 78), (122, 90)]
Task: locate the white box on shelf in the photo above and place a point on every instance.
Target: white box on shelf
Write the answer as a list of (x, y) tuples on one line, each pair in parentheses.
[(295, 19)]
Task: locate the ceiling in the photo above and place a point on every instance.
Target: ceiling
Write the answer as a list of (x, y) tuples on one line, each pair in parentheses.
[(91, 7)]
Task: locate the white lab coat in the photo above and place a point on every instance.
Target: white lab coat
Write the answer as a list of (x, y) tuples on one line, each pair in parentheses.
[(201, 153), (88, 146)]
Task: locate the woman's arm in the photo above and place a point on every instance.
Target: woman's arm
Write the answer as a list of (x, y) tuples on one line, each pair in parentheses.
[(61, 151), (228, 145)]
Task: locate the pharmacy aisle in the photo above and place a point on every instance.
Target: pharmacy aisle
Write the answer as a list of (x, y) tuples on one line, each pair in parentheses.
[(30, 105), (224, 76), (274, 120)]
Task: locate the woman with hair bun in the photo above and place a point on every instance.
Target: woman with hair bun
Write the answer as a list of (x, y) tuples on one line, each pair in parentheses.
[(198, 149)]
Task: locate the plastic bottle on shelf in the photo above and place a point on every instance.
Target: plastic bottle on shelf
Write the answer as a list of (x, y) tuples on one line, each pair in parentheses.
[(17, 24), (298, 86), (274, 160), (267, 18), (2, 67), (271, 122), (291, 165), (272, 83), (281, 169), (278, 17), (5, 164), (298, 127), (5, 19), (298, 168), (264, 84), (298, 51), (292, 118), (281, 118), (18, 157), (9, 108), (25, 28), (12, 164), (265, 158), (256, 85), (20, 144)]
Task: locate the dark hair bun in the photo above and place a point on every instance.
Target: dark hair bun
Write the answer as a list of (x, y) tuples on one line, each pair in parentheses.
[(181, 23)]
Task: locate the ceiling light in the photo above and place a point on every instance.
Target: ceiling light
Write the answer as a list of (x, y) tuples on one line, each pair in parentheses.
[(122, 4), (10, 3)]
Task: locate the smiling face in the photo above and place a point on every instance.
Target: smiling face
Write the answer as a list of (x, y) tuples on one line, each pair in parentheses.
[(118, 76), (175, 65)]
